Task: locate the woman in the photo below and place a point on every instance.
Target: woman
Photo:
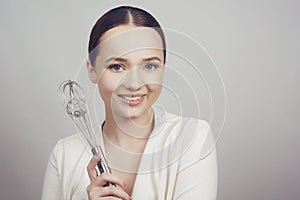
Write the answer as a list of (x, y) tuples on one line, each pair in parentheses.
[(152, 154)]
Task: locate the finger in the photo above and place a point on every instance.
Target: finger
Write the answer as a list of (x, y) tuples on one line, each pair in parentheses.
[(111, 198), (95, 192), (91, 168), (104, 178), (110, 191)]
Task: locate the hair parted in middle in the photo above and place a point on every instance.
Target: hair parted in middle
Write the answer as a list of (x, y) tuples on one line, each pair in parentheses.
[(121, 16)]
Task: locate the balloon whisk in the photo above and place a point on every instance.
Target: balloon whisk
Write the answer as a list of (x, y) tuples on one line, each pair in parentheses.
[(74, 101)]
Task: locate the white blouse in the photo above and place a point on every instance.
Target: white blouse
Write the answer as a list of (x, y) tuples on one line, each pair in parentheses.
[(179, 162)]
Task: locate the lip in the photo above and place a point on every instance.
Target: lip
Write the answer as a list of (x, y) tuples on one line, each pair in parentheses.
[(137, 99)]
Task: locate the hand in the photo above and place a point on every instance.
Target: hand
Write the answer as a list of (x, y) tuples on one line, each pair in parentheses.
[(96, 189)]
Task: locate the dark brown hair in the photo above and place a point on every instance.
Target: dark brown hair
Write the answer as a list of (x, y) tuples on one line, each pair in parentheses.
[(121, 16)]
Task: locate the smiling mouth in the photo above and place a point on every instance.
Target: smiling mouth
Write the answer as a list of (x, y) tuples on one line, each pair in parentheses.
[(133, 99)]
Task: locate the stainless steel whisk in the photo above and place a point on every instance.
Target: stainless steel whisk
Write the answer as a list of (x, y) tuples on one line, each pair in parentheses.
[(73, 99)]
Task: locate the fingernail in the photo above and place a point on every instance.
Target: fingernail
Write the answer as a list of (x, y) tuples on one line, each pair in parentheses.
[(124, 184)]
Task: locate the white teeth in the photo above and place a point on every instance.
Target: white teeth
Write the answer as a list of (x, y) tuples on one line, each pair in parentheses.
[(131, 98)]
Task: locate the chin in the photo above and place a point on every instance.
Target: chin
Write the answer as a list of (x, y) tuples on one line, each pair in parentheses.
[(128, 112)]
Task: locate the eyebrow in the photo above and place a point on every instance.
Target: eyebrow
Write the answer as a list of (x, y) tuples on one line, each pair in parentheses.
[(125, 60), (152, 58), (116, 59)]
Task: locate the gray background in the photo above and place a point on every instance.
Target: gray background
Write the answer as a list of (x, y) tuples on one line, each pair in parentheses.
[(254, 43)]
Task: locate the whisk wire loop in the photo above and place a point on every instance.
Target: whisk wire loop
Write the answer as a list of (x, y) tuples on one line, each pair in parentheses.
[(74, 102)]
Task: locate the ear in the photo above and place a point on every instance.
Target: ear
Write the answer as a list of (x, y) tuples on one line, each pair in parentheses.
[(91, 71)]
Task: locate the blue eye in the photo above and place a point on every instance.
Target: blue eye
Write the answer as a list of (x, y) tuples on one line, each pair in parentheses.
[(116, 67), (151, 67)]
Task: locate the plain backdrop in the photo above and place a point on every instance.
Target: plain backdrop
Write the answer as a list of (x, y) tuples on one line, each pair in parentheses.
[(255, 45)]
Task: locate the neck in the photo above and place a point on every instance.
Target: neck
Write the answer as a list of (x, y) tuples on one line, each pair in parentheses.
[(130, 134)]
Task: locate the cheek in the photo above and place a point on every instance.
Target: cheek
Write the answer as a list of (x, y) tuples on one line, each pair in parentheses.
[(107, 85), (155, 89), (153, 78)]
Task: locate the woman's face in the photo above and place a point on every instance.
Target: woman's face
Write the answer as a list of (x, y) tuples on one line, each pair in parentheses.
[(129, 70)]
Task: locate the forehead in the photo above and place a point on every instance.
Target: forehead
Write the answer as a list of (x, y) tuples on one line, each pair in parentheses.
[(124, 39)]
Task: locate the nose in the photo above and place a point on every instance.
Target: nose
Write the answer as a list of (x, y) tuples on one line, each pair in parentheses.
[(133, 80)]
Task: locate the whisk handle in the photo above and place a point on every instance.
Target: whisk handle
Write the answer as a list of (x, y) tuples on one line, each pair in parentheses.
[(101, 169), (102, 164)]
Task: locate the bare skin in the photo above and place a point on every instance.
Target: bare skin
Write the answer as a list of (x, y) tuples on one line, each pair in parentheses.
[(96, 190), (129, 82)]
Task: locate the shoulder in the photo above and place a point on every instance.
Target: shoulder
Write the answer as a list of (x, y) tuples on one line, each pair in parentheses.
[(69, 143), (67, 166), (69, 140), (170, 126), (195, 126), (193, 136), (68, 149), (186, 132), (170, 117)]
